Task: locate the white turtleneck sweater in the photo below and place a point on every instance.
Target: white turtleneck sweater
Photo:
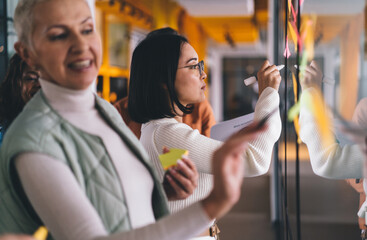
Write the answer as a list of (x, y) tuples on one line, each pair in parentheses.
[(65, 209), (168, 132)]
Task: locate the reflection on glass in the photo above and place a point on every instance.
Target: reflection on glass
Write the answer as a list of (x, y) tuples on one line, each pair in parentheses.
[(330, 42)]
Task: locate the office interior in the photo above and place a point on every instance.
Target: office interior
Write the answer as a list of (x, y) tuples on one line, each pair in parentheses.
[(234, 37)]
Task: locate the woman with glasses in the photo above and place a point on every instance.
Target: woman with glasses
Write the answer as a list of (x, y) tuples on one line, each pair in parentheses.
[(18, 87), (70, 163), (166, 78)]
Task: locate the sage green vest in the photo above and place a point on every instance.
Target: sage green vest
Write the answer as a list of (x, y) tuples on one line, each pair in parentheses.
[(39, 128)]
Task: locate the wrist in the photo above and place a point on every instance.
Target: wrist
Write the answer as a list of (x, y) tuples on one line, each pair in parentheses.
[(214, 207)]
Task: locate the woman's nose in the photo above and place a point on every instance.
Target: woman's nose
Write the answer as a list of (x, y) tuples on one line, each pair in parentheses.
[(203, 75), (79, 43)]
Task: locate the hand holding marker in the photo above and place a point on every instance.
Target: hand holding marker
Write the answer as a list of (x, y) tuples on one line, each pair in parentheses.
[(325, 79), (253, 79)]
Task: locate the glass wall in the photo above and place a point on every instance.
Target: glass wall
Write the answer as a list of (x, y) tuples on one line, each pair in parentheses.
[(322, 49), (7, 33)]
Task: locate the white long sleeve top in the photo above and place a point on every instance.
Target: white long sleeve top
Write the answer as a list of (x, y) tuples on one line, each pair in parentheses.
[(168, 132), (64, 208), (334, 161)]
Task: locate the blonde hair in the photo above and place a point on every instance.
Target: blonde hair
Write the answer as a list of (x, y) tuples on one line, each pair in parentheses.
[(24, 21)]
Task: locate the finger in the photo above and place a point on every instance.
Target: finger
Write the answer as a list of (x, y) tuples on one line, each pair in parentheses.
[(238, 143), (177, 189), (184, 169), (274, 75), (255, 127), (315, 65), (270, 69), (190, 174), (165, 149), (264, 66), (311, 70), (246, 134), (240, 140), (188, 162), (181, 180)]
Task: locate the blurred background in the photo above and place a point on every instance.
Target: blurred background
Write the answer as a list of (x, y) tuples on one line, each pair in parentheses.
[(234, 37)]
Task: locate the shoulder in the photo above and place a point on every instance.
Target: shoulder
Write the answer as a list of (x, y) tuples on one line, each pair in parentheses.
[(35, 129), (36, 118), (164, 125), (121, 105), (173, 129), (168, 123), (108, 108)]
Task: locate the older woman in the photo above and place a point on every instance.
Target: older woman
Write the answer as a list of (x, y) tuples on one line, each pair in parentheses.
[(69, 162)]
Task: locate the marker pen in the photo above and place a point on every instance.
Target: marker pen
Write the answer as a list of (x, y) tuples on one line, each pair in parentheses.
[(253, 79)]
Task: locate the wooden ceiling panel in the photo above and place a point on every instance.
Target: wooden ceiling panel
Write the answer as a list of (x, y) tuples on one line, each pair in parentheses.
[(331, 27), (241, 29)]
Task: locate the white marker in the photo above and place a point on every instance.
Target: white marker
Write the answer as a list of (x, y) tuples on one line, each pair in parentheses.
[(253, 79)]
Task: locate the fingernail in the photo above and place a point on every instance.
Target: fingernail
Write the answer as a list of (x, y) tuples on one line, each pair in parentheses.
[(184, 156), (179, 162)]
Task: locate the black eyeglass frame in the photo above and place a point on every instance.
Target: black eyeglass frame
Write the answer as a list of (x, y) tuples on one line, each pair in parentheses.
[(200, 67)]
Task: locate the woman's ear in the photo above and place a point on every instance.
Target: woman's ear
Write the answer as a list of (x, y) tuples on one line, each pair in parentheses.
[(25, 54)]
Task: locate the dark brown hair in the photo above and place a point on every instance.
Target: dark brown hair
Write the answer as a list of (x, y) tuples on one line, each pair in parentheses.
[(11, 90), (154, 65)]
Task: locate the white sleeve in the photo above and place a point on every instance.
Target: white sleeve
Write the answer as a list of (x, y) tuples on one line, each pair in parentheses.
[(201, 148), (360, 113), (332, 161), (68, 214)]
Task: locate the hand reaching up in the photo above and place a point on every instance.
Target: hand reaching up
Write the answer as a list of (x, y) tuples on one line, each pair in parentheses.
[(268, 76), (16, 237), (312, 76), (228, 172)]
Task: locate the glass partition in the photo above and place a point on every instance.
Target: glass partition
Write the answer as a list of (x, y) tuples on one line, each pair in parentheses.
[(322, 49)]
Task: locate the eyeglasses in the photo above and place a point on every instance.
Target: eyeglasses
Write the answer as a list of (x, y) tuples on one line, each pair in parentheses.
[(199, 66)]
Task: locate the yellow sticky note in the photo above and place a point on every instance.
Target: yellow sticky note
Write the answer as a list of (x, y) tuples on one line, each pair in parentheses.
[(41, 233), (293, 34), (314, 102), (170, 159)]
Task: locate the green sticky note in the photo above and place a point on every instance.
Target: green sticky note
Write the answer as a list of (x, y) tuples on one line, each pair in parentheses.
[(294, 111), (170, 159)]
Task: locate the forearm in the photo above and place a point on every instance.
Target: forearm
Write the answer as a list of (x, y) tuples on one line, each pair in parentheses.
[(200, 147), (331, 161), (183, 225), (68, 214), (259, 152)]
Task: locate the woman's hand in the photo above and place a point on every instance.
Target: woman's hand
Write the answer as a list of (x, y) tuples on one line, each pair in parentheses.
[(228, 172), (16, 237), (181, 180), (312, 76), (268, 76)]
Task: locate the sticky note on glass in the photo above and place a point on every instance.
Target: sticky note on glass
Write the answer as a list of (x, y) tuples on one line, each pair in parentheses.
[(170, 159), (41, 233)]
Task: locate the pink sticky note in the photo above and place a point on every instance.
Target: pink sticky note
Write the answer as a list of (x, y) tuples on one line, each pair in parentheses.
[(287, 53)]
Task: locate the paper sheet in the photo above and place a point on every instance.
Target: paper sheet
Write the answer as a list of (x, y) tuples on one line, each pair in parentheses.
[(221, 131)]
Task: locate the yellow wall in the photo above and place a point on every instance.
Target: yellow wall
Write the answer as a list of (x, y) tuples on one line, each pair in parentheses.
[(163, 13)]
